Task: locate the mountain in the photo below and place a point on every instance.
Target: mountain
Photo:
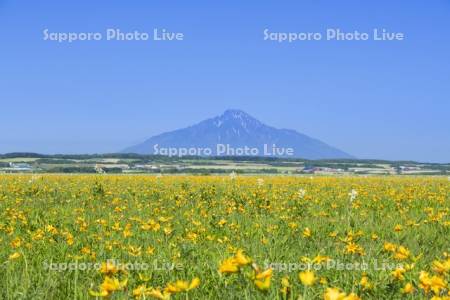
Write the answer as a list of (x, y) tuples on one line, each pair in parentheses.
[(236, 133)]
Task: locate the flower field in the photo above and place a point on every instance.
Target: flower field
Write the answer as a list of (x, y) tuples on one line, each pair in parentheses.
[(148, 237)]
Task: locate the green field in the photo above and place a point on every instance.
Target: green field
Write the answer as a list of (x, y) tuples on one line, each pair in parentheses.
[(223, 237)]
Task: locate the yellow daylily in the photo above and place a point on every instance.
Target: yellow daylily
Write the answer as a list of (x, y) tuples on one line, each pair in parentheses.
[(408, 288), (307, 278), (229, 265), (263, 279), (333, 294), (15, 255), (182, 286), (285, 286), (241, 259)]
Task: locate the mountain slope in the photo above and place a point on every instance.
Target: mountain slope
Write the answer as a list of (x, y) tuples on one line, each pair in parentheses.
[(238, 130)]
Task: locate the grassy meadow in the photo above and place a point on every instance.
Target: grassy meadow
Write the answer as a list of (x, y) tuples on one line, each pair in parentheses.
[(230, 237)]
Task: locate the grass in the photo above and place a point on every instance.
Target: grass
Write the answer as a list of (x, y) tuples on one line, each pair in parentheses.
[(181, 228)]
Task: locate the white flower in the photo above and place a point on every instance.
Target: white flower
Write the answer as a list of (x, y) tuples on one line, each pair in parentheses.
[(301, 193), (233, 175), (353, 194)]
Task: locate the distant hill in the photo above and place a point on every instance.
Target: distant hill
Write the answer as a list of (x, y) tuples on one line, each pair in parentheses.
[(236, 130)]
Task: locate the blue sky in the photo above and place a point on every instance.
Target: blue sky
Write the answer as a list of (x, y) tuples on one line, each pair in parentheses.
[(387, 100)]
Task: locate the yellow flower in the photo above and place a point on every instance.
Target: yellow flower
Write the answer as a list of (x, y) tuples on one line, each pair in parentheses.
[(402, 253), (320, 259), (229, 265), (69, 239), (408, 288), (157, 294), (100, 293), (265, 274), (52, 229), (15, 255), (241, 259), (194, 283), (438, 284), (307, 233), (16, 242), (398, 273), (112, 284), (108, 268), (353, 248), (424, 281), (192, 236), (389, 247), (435, 283), (441, 267), (140, 291), (134, 251), (333, 294), (398, 228), (307, 278), (262, 280), (440, 298), (109, 286), (264, 284), (178, 286), (364, 282), (164, 219), (222, 222), (182, 286), (293, 225), (150, 250), (285, 286), (351, 296), (232, 264)]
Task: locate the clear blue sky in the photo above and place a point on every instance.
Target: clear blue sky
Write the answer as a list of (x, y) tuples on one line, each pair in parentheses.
[(387, 100)]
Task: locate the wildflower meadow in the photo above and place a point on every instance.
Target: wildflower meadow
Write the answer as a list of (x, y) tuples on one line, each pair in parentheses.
[(224, 237)]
